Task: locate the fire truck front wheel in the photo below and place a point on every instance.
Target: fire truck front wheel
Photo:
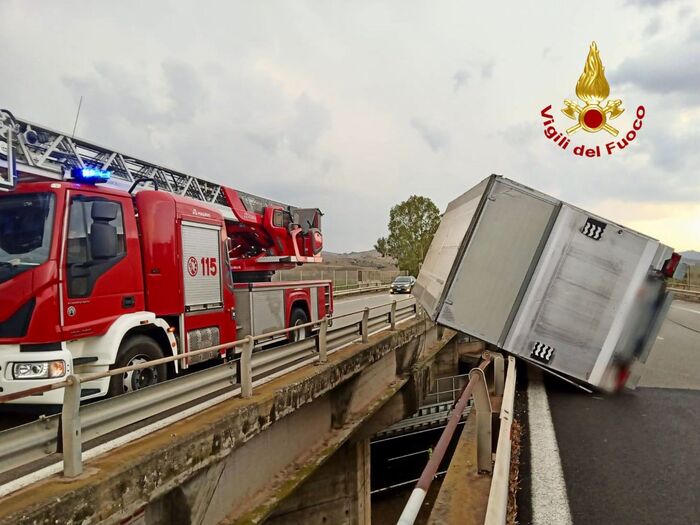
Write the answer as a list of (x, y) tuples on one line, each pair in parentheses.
[(133, 351), (298, 317)]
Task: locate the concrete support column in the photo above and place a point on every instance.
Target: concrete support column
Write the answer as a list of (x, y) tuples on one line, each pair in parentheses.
[(337, 493)]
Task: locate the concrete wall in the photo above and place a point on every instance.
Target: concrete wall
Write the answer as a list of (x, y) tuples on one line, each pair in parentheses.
[(337, 493), (240, 460)]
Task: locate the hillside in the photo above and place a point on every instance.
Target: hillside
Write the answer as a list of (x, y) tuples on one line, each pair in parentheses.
[(369, 259), (691, 256)]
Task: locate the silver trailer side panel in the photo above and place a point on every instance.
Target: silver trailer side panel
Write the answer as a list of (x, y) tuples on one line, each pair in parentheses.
[(580, 295), (244, 312), (501, 251), (259, 310)]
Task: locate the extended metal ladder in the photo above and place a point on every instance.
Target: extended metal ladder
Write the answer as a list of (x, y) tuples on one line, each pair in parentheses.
[(45, 153)]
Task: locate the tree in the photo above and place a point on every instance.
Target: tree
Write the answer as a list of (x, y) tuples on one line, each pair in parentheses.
[(412, 225), (381, 247)]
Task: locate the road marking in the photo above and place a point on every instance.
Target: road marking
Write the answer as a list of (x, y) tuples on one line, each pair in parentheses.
[(685, 309), (550, 504)]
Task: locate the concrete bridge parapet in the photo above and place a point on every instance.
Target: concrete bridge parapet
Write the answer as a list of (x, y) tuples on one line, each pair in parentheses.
[(239, 460)]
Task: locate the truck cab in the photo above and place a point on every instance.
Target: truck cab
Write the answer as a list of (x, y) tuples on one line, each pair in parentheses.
[(76, 263), (108, 261)]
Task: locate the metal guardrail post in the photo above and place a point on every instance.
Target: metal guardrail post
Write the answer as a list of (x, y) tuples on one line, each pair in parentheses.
[(497, 506), (322, 343), (237, 371), (482, 401), (247, 367), (499, 378), (71, 429), (392, 315), (364, 325)]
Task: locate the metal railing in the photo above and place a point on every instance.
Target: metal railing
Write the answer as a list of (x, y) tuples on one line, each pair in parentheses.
[(360, 288), (497, 506), (185, 395), (478, 388), (447, 389), (685, 291), (341, 279)]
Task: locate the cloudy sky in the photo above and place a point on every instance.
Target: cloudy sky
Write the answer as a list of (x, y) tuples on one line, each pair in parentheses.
[(354, 106)]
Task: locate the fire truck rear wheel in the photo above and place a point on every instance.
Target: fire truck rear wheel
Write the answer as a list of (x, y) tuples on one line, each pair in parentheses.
[(135, 350), (297, 318)]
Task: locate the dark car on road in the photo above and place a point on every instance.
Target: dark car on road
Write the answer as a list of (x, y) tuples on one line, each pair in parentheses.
[(402, 284)]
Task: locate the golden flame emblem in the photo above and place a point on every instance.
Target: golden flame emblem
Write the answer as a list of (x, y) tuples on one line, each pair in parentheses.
[(593, 88)]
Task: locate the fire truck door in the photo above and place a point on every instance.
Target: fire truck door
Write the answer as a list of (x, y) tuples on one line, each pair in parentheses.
[(101, 279)]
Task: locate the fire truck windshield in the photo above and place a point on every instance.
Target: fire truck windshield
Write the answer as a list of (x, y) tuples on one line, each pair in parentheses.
[(26, 225)]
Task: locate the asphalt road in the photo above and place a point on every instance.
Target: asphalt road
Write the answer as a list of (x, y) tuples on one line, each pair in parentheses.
[(355, 303), (633, 458)]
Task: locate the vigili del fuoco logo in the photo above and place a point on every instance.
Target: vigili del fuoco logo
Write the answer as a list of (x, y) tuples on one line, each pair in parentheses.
[(595, 112)]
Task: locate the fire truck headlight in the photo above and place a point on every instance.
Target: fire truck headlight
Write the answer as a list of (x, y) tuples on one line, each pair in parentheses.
[(40, 370)]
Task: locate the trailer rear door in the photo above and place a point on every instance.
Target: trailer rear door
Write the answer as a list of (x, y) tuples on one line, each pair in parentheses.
[(582, 295), (483, 253), (445, 249)]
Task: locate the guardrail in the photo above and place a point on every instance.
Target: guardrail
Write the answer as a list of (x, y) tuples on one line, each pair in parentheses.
[(361, 289), (172, 400), (497, 507), (685, 291), (478, 388)]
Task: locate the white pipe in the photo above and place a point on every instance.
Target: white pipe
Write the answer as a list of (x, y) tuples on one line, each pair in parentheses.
[(412, 508)]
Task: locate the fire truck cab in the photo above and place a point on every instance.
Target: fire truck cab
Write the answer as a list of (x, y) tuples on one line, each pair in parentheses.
[(94, 277)]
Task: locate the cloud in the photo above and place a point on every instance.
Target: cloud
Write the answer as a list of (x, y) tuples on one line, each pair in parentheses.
[(185, 91), (685, 12), (648, 3), (171, 94), (269, 142), (309, 113), (310, 120), (460, 78), (521, 134), (672, 153), (299, 133), (652, 27), (664, 70), (438, 139)]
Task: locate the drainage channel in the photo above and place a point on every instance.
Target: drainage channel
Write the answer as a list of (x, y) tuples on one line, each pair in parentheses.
[(399, 454)]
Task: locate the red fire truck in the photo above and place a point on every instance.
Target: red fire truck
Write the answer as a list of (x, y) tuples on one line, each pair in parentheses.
[(107, 260)]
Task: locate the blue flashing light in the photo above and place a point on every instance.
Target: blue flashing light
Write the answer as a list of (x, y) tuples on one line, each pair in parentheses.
[(90, 175)]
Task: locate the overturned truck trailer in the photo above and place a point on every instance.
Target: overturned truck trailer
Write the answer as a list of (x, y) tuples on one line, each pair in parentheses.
[(553, 284)]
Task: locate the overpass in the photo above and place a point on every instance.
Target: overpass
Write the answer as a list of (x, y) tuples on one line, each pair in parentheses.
[(282, 442), (296, 450)]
